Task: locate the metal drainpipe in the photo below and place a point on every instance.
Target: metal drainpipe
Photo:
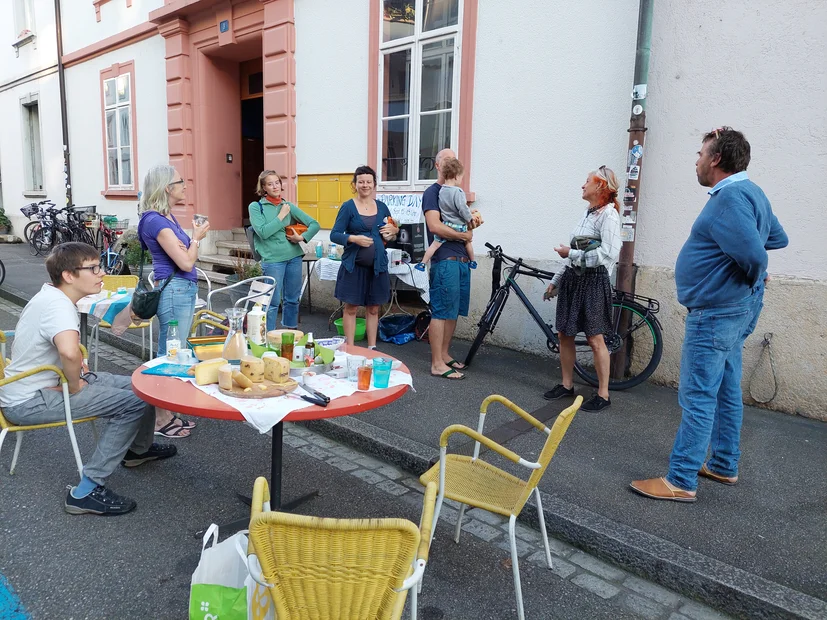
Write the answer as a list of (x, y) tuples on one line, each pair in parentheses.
[(67, 170), (626, 269)]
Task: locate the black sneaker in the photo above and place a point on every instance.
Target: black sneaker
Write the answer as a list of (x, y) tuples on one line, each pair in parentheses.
[(559, 391), (101, 501), (596, 403), (156, 452)]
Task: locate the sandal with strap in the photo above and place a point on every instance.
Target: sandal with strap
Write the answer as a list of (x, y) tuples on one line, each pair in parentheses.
[(172, 430), (185, 423)]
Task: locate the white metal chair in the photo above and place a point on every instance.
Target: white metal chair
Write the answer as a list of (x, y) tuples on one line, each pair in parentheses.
[(260, 292)]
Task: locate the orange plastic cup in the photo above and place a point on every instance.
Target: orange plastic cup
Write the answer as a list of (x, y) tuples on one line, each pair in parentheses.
[(363, 378)]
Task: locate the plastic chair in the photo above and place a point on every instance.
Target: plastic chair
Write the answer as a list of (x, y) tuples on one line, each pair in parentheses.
[(112, 283), (7, 427), (337, 568), (472, 482)]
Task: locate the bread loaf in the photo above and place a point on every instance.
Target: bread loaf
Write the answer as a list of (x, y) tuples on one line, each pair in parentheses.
[(207, 372), (253, 368)]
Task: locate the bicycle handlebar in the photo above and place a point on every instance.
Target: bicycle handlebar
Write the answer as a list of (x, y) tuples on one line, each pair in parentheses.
[(498, 253)]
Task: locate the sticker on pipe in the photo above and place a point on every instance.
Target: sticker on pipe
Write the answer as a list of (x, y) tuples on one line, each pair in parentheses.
[(627, 233), (633, 173)]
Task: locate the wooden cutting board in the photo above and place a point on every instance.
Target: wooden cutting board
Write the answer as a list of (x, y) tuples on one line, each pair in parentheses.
[(273, 389)]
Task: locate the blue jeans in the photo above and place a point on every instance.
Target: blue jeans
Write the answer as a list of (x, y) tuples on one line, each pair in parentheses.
[(288, 275), (710, 390), (177, 302)]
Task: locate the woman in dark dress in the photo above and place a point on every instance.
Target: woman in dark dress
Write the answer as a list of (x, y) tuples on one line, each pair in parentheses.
[(585, 301), (362, 227)]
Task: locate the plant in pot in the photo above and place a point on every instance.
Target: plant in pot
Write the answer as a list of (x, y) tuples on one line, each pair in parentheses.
[(244, 268), (5, 223), (132, 251)]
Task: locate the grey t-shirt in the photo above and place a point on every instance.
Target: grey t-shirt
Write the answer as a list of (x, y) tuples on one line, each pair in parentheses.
[(47, 314), (453, 206)]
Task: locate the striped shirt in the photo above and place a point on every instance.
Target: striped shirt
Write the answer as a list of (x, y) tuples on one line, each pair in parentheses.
[(605, 224)]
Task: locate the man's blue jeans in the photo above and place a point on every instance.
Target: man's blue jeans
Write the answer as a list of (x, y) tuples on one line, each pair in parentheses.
[(288, 275), (710, 390)]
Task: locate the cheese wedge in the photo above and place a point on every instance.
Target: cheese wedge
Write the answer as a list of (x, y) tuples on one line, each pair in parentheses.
[(252, 368), (207, 372), (242, 380), (276, 369), (225, 377)]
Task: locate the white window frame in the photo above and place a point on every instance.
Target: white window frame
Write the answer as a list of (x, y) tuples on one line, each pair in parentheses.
[(415, 43), (116, 107), (24, 25), (32, 146)]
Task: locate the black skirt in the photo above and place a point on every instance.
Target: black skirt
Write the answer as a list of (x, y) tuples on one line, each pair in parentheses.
[(584, 303), (361, 287)]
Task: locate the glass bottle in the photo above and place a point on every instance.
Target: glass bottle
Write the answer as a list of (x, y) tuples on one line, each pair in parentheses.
[(235, 346), (173, 340), (309, 350)]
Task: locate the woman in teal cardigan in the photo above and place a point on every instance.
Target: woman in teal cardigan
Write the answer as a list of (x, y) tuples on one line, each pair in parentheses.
[(281, 254), (362, 226)]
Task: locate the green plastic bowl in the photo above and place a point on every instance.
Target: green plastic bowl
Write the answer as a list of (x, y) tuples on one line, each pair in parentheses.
[(360, 328)]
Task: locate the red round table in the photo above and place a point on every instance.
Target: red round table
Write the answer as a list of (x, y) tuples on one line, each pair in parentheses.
[(183, 397)]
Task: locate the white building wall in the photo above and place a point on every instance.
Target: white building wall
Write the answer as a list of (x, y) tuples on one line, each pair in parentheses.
[(81, 28), (85, 121), (35, 56), (331, 85)]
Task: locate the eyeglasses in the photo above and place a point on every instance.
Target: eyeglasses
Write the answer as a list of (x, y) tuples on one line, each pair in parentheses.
[(95, 269), (181, 181)]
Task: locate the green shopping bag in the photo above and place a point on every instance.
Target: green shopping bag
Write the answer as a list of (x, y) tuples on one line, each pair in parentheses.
[(218, 590)]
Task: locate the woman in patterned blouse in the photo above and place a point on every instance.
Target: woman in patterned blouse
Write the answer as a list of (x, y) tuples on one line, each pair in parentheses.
[(585, 291)]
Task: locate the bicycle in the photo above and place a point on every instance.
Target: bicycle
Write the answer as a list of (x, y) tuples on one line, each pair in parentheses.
[(53, 231), (635, 344), (37, 210), (110, 229)]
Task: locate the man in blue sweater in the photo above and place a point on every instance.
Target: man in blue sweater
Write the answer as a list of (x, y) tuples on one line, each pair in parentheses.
[(720, 275)]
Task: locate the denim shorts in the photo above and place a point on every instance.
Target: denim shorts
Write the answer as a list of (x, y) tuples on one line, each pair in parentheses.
[(450, 289)]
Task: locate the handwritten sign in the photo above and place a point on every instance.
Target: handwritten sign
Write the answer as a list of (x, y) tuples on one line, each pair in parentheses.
[(405, 208)]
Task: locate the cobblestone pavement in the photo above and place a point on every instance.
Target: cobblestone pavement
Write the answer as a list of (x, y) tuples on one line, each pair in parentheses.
[(642, 598)]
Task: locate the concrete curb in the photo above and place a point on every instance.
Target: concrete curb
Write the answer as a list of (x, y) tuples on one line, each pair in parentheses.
[(710, 581)]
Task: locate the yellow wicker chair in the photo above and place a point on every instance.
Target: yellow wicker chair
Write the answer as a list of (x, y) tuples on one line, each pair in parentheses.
[(7, 427), (337, 569), (112, 283), (473, 482)]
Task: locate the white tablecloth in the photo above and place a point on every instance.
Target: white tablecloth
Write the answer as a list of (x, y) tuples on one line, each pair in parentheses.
[(105, 305), (327, 269)]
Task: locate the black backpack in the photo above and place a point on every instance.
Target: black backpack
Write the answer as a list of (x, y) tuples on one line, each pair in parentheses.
[(422, 324)]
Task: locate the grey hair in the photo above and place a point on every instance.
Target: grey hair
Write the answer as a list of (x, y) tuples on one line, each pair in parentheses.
[(156, 181)]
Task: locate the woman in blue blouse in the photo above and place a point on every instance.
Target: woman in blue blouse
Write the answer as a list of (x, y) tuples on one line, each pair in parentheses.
[(362, 226)]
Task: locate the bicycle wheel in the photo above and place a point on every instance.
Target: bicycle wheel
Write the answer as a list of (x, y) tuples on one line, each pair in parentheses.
[(43, 240), (28, 231), (644, 348), (2, 272), (487, 322)]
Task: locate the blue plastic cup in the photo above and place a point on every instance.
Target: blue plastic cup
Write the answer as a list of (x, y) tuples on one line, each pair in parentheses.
[(381, 372)]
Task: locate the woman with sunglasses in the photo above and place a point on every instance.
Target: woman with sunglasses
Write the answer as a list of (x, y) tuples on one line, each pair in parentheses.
[(174, 255), (271, 217), (585, 291)]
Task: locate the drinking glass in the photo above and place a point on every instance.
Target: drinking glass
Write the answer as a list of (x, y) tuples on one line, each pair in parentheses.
[(354, 362), (287, 339), (381, 372), (363, 373), (319, 250)]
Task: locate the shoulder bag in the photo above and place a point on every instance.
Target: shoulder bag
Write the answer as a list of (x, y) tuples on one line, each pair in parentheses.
[(145, 301)]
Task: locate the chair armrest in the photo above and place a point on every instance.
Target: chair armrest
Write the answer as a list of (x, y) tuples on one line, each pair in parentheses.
[(496, 398), (34, 371), (84, 352), (426, 522), (203, 311), (488, 443), (261, 497)]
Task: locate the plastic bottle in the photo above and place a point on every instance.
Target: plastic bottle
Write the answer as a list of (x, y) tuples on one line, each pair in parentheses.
[(309, 350), (173, 340), (256, 327), (331, 251)]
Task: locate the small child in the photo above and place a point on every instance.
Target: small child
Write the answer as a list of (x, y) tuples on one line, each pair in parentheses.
[(454, 210)]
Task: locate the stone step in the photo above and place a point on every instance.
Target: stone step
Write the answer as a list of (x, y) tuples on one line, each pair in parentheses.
[(216, 279), (239, 235), (233, 248), (207, 262)]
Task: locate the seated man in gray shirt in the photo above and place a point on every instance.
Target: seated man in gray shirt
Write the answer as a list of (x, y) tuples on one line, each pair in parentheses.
[(453, 206), (48, 333)]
